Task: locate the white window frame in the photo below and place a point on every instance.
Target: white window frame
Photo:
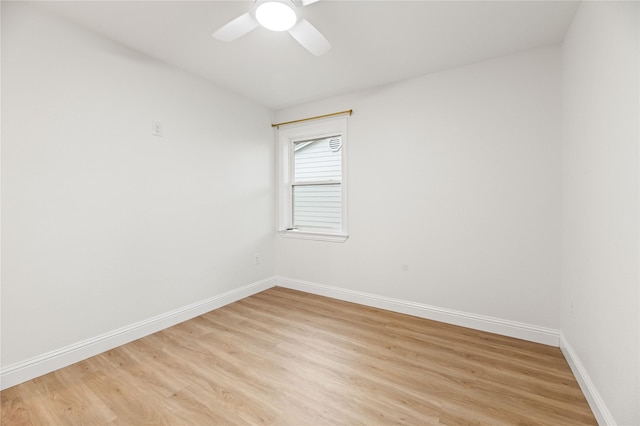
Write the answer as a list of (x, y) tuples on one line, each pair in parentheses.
[(286, 137)]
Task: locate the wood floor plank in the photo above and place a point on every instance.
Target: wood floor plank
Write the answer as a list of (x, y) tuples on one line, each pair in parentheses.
[(283, 357)]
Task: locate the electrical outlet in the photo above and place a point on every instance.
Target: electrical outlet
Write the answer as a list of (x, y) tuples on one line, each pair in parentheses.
[(156, 128), (257, 259), (571, 307)]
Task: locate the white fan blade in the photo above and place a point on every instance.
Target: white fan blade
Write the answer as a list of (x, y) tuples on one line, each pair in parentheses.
[(310, 38), (236, 28), (308, 2)]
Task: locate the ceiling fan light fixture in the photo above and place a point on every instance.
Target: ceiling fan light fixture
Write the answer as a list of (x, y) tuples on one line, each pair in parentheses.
[(276, 16)]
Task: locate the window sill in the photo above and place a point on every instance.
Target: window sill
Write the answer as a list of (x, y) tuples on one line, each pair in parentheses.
[(305, 235)]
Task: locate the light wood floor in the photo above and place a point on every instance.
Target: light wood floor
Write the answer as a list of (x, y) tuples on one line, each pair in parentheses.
[(283, 357)]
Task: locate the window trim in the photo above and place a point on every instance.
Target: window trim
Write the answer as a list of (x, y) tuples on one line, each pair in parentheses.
[(286, 137)]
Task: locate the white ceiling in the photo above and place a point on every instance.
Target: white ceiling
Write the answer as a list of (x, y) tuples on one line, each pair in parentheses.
[(374, 42)]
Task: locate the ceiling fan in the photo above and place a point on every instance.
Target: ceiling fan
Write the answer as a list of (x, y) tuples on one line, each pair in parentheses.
[(277, 15)]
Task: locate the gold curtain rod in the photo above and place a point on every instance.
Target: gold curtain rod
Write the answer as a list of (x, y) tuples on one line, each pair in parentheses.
[(349, 111)]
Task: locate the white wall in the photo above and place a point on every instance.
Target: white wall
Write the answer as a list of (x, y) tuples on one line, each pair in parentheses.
[(104, 225), (454, 192), (600, 213)]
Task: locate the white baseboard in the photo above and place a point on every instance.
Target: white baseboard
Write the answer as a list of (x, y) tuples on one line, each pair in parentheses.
[(51, 361), (503, 327), (46, 363), (599, 408)]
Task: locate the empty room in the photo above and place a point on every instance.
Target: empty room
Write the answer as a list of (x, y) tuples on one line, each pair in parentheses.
[(320, 212)]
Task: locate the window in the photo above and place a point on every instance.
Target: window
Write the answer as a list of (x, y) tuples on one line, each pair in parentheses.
[(312, 180), (316, 184)]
